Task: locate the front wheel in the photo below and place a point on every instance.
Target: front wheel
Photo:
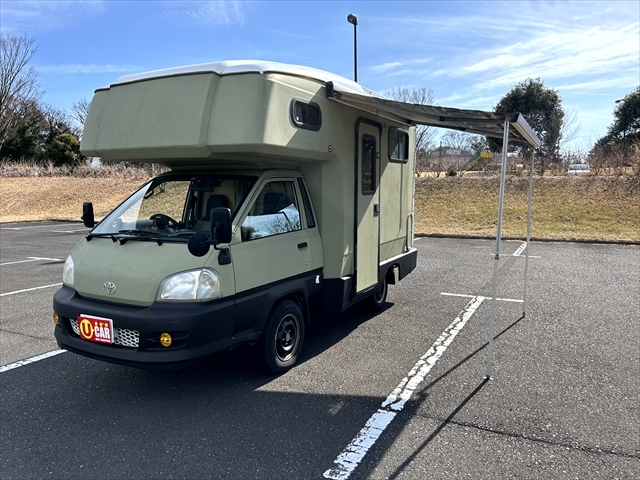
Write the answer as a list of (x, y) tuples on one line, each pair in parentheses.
[(282, 338)]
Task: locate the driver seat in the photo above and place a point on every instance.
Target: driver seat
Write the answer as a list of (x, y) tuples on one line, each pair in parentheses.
[(214, 201)]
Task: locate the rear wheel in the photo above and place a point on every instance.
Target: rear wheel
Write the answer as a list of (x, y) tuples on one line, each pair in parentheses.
[(282, 338), (375, 302)]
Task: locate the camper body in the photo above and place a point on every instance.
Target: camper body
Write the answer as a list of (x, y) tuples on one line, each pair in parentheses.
[(318, 198)]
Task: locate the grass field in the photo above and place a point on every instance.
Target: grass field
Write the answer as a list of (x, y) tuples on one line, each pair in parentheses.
[(564, 208)]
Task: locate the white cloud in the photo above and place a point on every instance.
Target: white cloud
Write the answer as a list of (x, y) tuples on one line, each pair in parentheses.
[(89, 68), (31, 14), (289, 34), (211, 13), (550, 51), (385, 67)]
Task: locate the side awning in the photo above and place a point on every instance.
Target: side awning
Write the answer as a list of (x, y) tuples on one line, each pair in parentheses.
[(471, 121)]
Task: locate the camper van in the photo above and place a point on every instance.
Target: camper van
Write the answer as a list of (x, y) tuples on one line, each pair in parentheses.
[(278, 200)]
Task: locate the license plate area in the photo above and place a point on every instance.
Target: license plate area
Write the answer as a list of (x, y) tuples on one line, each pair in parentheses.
[(95, 329)]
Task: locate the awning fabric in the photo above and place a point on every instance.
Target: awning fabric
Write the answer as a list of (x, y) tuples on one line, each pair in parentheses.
[(472, 121)]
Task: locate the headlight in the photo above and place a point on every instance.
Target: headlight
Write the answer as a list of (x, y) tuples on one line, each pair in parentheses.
[(194, 285), (67, 272)]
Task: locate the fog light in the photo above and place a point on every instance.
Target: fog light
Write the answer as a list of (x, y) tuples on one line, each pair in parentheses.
[(56, 318), (165, 339)]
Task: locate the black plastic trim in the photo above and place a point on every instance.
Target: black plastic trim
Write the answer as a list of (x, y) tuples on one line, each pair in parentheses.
[(254, 306)]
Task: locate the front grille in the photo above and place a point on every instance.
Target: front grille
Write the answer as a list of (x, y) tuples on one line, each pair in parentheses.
[(121, 336)]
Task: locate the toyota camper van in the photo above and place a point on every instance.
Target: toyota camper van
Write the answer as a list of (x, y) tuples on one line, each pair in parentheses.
[(279, 199)]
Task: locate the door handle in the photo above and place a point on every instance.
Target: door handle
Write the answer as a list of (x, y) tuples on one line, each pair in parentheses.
[(302, 245)]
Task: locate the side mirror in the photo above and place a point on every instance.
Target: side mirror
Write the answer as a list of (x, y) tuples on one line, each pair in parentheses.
[(220, 219), (198, 245), (88, 220)]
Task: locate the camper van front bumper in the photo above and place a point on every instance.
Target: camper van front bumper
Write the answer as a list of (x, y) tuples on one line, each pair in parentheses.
[(197, 329)]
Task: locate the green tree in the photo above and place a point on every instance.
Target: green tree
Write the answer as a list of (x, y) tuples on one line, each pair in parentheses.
[(626, 119), (542, 107), (44, 134), (25, 144), (64, 149)]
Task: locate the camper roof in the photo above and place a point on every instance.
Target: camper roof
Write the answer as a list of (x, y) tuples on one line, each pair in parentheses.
[(234, 67), (345, 91)]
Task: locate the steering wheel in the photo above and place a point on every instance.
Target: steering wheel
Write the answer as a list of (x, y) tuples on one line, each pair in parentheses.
[(163, 221)]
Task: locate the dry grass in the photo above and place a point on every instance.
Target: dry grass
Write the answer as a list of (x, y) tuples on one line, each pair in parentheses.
[(31, 168), (564, 208), (60, 198)]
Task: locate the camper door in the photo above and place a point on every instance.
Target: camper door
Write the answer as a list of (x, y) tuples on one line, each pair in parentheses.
[(367, 205)]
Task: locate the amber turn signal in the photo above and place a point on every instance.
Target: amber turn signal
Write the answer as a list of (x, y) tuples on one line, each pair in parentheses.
[(56, 318), (165, 339)]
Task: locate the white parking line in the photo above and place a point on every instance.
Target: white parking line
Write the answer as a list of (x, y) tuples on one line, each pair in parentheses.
[(32, 259), (70, 231), (353, 454), (30, 289), (474, 296), (522, 248), (37, 358)]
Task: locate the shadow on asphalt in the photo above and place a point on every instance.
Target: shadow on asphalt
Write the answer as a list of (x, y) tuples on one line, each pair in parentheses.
[(388, 438)]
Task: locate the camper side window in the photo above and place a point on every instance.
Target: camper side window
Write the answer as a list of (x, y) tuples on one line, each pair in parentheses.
[(306, 114), (368, 165), (274, 212), (398, 145)]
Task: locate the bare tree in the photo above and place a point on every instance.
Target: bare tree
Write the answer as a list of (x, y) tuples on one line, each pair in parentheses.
[(19, 89), (569, 128), (424, 134), (458, 140), (79, 112)]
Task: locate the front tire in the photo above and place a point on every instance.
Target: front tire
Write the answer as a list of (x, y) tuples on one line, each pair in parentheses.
[(282, 338)]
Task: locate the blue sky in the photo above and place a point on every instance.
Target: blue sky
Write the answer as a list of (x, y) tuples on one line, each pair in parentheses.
[(469, 53)]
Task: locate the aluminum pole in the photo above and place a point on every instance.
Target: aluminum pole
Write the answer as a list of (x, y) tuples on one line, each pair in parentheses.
[(526, 261), (496, 259)]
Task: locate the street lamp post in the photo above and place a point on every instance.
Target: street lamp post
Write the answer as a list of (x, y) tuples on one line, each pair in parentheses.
[(353, 20)]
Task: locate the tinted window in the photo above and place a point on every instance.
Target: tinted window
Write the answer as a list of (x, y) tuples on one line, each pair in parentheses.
[(368, 164), (275, 211), (306, 114), (398, 145)]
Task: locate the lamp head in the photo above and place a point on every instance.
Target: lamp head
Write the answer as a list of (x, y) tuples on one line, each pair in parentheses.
[(352, 19)]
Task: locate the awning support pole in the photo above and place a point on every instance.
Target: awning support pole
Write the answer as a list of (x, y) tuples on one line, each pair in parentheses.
[(496, 259), (526, 261)]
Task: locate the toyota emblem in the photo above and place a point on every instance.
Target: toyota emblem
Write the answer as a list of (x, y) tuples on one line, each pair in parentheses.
[(109, 288)]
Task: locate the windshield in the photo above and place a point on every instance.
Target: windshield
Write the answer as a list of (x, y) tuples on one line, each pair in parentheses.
[(176, 205)]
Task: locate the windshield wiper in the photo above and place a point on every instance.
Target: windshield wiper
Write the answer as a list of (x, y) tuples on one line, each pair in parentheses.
[(142, 235), (145, 233), (100, 235), (123, 236)]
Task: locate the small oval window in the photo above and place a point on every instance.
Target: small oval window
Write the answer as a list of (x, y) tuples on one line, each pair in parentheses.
[(398, 145), (306, 114)]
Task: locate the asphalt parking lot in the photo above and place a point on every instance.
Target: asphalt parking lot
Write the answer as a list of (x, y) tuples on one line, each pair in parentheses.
[(397, 395)]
